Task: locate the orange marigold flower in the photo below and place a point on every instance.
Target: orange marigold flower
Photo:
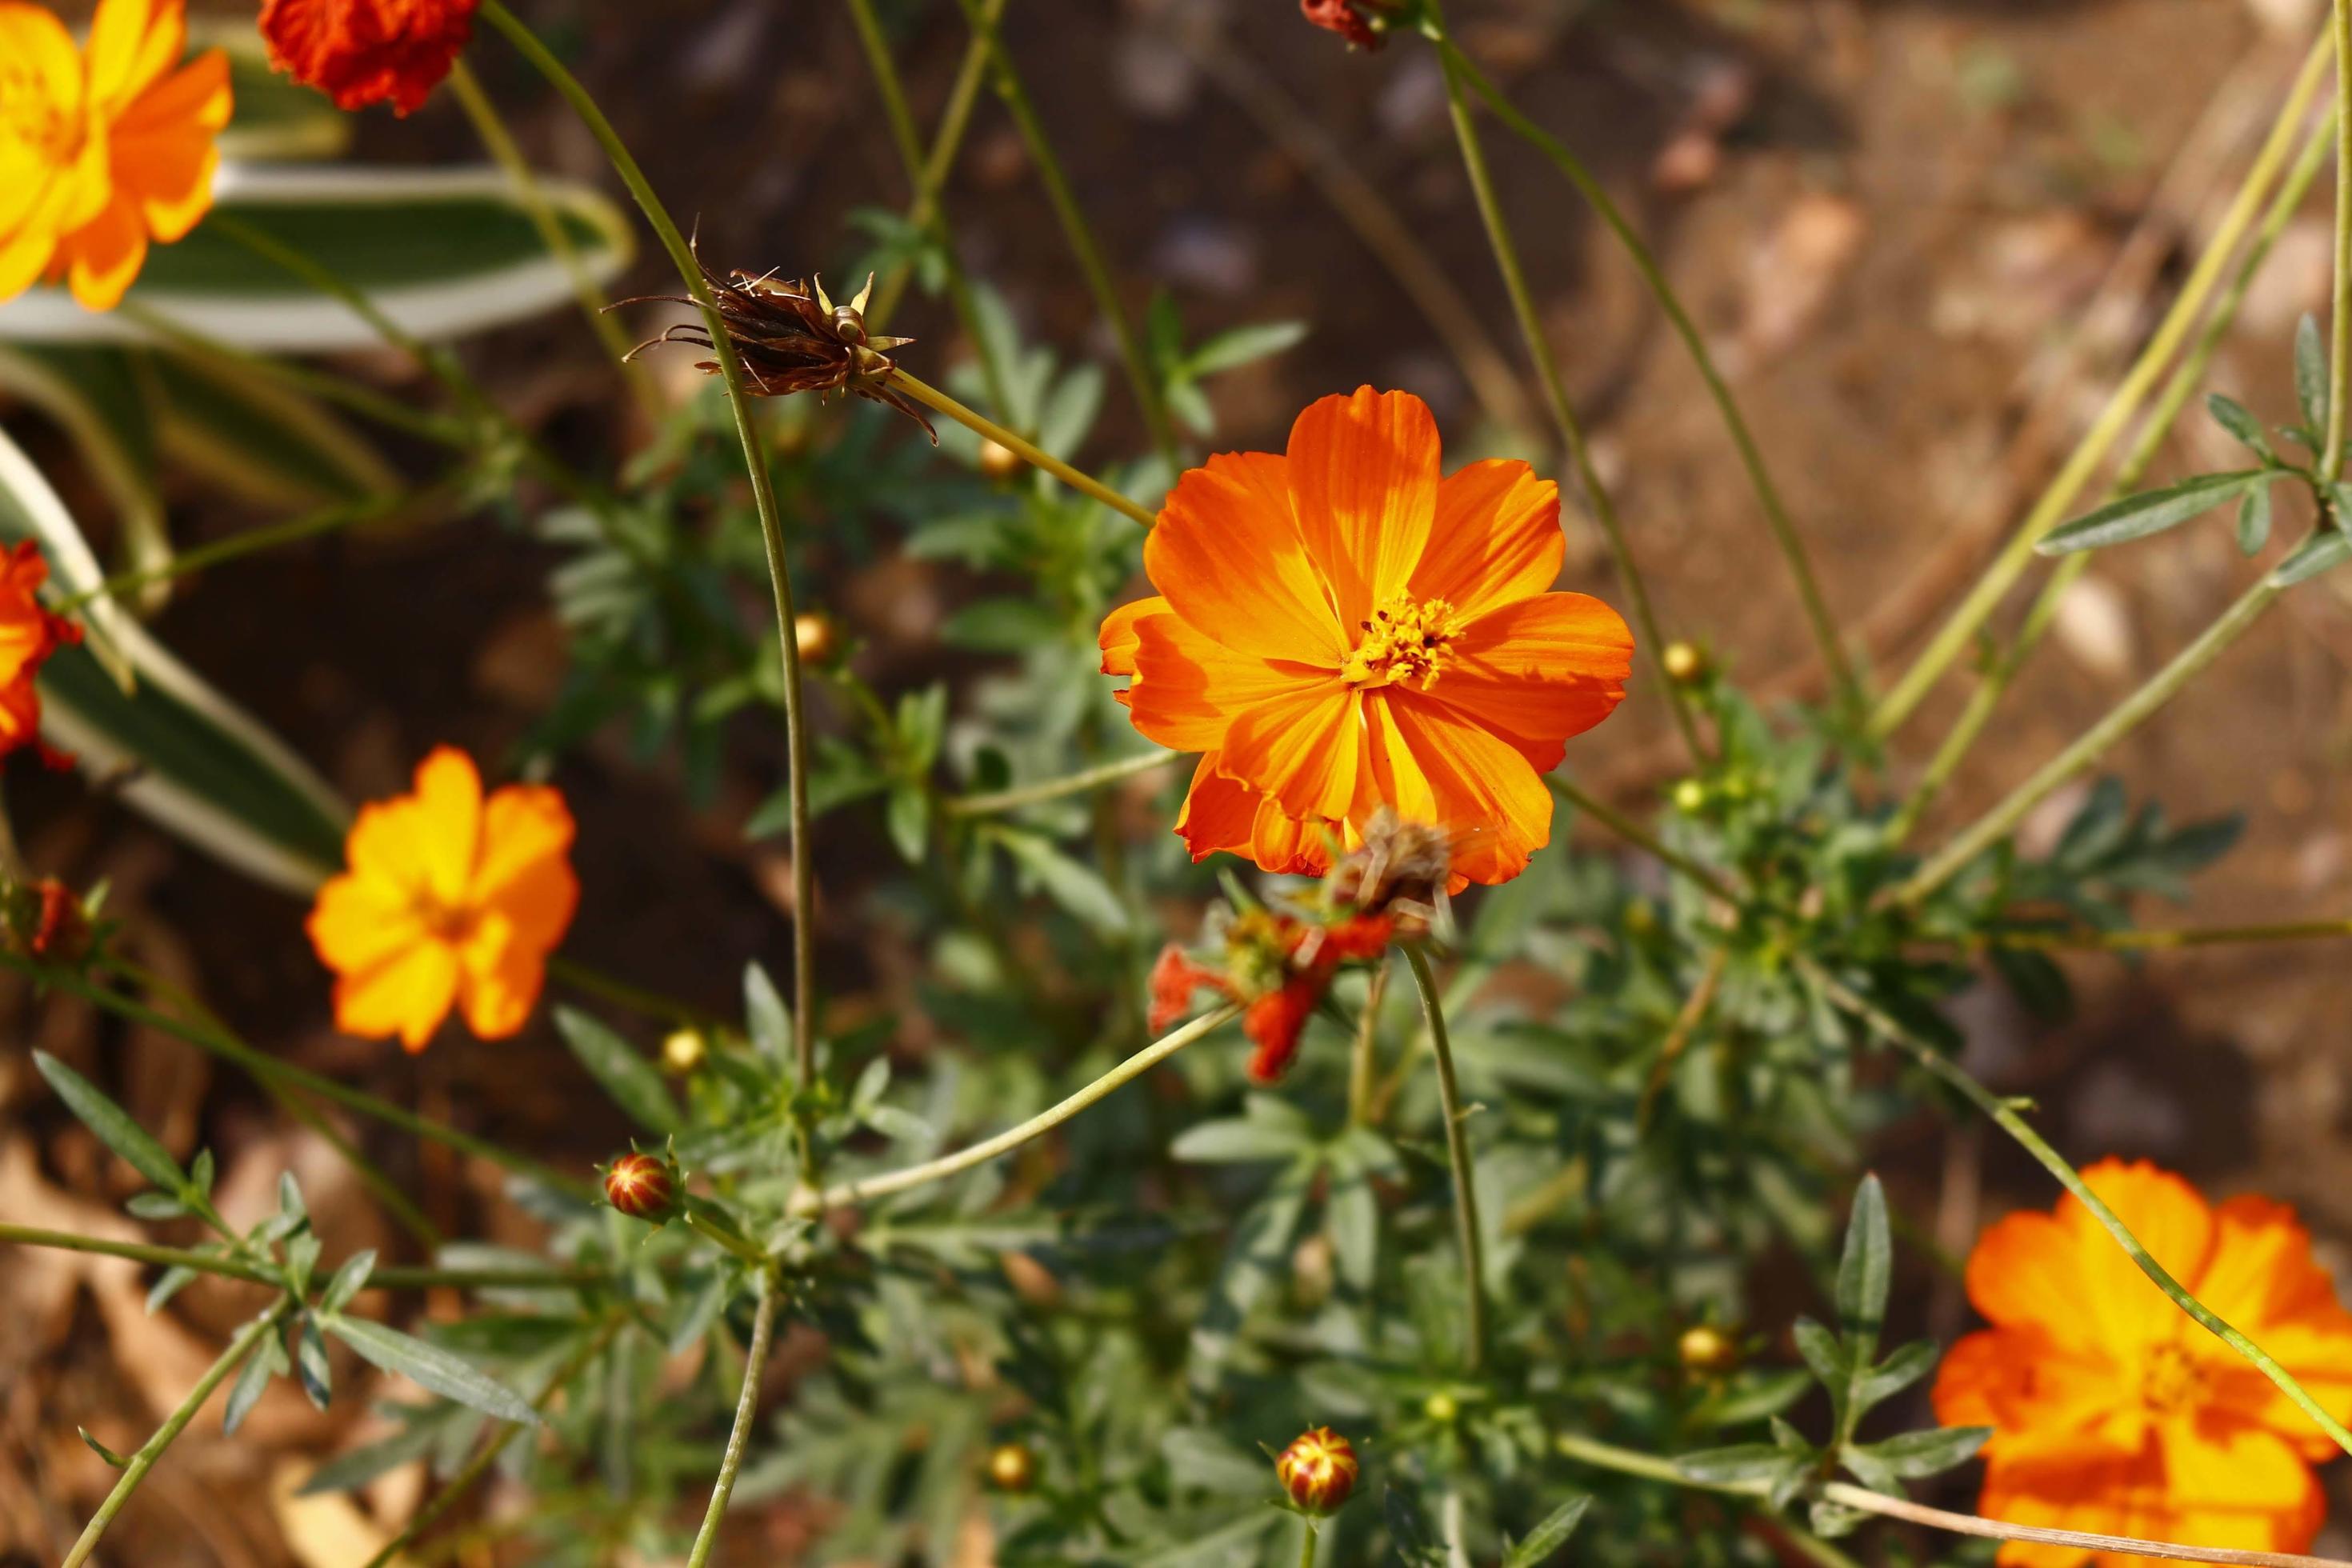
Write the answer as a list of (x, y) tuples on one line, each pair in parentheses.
[(450, 899), (360, 52), (1340, 628), (101, 148), (29, 636), (2111, 1411)]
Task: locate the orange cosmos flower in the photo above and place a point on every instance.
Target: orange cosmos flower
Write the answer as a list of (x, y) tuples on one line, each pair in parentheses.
[(1340, 628), (1281, 967), (103, 149), (2112, 1412), (360, 52), (449, 898), (29, 636)]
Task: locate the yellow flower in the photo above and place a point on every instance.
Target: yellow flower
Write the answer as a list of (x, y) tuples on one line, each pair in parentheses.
[(450, 899)]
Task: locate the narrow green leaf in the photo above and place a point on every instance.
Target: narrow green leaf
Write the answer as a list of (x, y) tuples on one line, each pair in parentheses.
[(2311, 375), (1239, 1140), (2151, 511), (349, 1280), (1076, 887), (2254, 520), (1827, 1356), (627, 1077), (360, 1466), (907, 817), (1739, 1462), (101, 1450), (433, 1367), (1866, 1271), (111, 1123), (765, 1017), (173, 1281), (2323, 552), (310, 1367), (1549, 1536), (1896, 1373), (1914, 1456), (155, 1207), (245, 1392), (2231, 415), (1242, 345)]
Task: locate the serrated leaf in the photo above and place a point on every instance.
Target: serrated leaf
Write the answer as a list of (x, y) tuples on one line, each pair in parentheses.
[(111, 1123), (2254, 515), (1549, 1536), (2311, 375), (627, 1077), (2151, 511), (1915, 1455), (2323, 552), (2231, 415), (349, 1280), (1866, 1271), (112, 1458), (432, 1367)]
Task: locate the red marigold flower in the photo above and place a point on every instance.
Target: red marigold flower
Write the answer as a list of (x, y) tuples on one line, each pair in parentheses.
[(29, 636), (1346, 17), (360, 52)]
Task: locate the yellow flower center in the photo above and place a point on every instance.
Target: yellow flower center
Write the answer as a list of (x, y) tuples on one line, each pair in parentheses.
[(2173, 1380), (31, 117), (1405, 640)]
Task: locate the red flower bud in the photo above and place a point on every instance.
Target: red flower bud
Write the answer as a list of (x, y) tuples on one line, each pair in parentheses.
[(642, 1186), (1319, 1470)]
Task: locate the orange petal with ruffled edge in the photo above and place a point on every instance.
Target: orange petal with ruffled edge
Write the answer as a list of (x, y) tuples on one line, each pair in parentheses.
[(1229, 558), (164, 151), (525, 876), (1496, 538), (1302, 748), (1363, 474), (1538, 671), (1189, 688), (1434, 765)]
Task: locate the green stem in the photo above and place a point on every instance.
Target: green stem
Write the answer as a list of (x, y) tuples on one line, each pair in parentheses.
[(763, 1323), (366, 401), (1457, 1152), (1306, 1533), (953, 123), (2004, 1115), (1652, 1468), (901, 120), (1079, 782), (2339, 378), (2153, 435), (2086, 750), (763, 496), (1572, 432), (1364, 1062), (502, 1434), (1079, 235), (268, 1069), (142, 1461), (310, 525), (1958, 632), (1036, 1126), (1027, 451), (1625, 827), (388, 1277), (499, 142), (1645, 262), (2162, 940), (714, 1227)]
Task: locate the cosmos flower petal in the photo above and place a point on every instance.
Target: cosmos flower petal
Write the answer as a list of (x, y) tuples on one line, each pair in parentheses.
[(1470, 781), (1496, 538), (525, 875), (1299, 747), (361, 921), (1540, 670), (132, 42), (2171, 1220), (1119, 638), (103, 256), (1363, 473), (500, 976), (1230, 560), (1190, 687), (448, 827), (407, 994)]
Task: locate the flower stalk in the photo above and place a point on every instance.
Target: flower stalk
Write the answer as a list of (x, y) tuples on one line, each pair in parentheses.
[(1086, 779), (386, 1276), (739, 1437), (1457, 1153), (1027, 451)]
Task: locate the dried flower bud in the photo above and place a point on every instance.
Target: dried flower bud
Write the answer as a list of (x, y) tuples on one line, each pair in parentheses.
[(1685, 664), (791, 337), (1705, 1348), (683, 1050), (817, 636), (1403, 867), (1319, 1470), (998, 461), (642, 1186), (1011, 1468)]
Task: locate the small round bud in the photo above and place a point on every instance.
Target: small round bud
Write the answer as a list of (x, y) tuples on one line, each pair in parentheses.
[(816, 635), (642, 1186), (1319, 1470), (683, 1050), (1707, 1348), (1011, 1468), (999, 461), (1442, 1409), (1685, 664), (1690, 797)]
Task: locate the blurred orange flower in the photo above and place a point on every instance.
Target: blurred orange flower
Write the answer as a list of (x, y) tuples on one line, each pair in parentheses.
[(450, 899), (1279, 967), (1339, 628), (29, 636), (360, 52), (103, 150), (2112, 1412)]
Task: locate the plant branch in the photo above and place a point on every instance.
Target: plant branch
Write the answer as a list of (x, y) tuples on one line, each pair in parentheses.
[(1080, 236), (763, 496), (243, 1345), (1135, 1066), (388, 1277), (932, 182), (2160, 941), (2339, 373), (1363, 1060), (1457, 1153), (310, 525), (2004, 1115), (1958, 631), (1078, 783), (1751, 458), (755, 1362), (1027, 451)]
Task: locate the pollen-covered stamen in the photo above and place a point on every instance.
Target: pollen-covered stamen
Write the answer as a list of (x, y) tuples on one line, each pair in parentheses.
[(1405, 640)]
